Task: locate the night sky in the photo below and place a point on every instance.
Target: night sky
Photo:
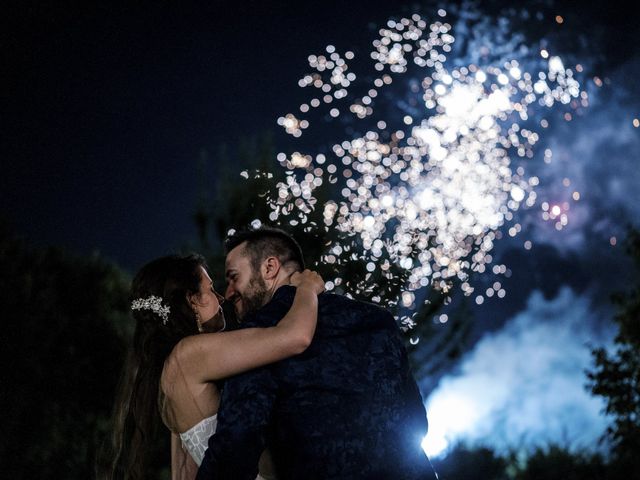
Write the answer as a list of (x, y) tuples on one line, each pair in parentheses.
[(109, 108), (106, 108), (105, 111)]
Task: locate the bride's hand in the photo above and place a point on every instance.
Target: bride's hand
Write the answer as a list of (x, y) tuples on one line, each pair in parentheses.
[(308, 279)]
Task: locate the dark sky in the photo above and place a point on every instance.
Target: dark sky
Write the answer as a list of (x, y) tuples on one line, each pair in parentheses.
[(107, 108)]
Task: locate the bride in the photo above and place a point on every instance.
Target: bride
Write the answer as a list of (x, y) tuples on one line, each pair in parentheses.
[(171, 371)]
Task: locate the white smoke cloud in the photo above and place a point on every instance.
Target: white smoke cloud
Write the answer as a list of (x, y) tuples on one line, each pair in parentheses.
[(525, 384)]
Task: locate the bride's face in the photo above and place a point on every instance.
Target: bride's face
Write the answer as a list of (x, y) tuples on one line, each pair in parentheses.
[(208, 304)]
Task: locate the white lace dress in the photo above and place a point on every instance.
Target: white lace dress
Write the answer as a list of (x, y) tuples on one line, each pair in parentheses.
[(196, 439)]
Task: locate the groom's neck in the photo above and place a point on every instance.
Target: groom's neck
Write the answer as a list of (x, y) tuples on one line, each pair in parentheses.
[(283, 278)]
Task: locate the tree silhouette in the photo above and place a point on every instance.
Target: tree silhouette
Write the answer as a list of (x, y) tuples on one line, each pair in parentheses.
[(64, 318), (616, 376), (555, 462), (467, 463)]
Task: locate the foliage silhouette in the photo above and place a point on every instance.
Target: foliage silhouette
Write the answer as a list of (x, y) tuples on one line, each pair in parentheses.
[(616, 376), (552, 462), (556, 462), (64, 322), (466, 463)]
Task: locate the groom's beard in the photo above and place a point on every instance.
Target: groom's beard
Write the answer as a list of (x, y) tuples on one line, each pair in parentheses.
[(254, 297)]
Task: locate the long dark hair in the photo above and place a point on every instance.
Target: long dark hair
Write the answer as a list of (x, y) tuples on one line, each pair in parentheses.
[(137, 413)]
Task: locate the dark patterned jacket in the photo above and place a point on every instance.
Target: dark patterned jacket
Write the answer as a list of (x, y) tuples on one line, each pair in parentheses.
[(347, 408)]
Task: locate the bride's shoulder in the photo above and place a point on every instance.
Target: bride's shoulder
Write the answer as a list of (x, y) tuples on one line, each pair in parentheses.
[(175, 367), (183, 399), (182, 365), (169, 376)]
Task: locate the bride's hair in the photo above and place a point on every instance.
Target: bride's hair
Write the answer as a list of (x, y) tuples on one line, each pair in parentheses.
[(137, 413)]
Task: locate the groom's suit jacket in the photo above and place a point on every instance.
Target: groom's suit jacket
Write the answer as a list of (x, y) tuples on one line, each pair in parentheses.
[(346, 408)]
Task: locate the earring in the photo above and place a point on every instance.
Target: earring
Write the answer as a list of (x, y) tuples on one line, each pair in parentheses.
[(198, 322)]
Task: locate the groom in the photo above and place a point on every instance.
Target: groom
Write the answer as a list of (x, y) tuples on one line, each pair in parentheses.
[(346, 408)]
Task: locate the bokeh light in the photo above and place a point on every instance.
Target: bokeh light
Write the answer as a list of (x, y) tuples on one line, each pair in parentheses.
[(431, 194)]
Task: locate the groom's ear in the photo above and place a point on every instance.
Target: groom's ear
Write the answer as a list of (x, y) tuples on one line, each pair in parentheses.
[(270, 268)]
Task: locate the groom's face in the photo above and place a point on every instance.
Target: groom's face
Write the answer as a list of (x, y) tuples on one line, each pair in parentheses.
[(246, 288)]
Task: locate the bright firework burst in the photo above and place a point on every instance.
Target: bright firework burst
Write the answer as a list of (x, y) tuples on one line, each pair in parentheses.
[(428, 198)]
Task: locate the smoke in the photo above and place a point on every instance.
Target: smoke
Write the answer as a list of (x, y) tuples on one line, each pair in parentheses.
[(525, 384), (595, 155)]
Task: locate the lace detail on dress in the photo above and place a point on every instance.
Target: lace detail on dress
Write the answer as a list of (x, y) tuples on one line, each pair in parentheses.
[(196, 439)]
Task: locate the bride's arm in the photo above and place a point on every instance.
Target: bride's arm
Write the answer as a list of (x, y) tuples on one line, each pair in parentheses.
[(182, 465), (213, 356)]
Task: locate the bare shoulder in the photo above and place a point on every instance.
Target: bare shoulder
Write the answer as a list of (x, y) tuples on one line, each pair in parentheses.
[(170, 375), (176, 366), (186, 401)]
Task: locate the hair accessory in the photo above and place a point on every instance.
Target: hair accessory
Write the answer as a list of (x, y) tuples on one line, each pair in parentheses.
[(154, 304)]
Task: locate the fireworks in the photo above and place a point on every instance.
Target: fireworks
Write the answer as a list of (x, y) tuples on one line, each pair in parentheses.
[(429, 197)]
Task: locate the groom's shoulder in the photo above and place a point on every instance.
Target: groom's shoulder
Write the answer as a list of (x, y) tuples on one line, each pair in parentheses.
[(347, 301), (342, 304), (330, 304), (284, 297)]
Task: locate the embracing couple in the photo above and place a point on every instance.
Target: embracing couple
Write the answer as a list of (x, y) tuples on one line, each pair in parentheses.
[(316, 385)]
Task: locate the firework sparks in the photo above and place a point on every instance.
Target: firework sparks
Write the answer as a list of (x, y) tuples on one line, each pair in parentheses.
[(429, 197)]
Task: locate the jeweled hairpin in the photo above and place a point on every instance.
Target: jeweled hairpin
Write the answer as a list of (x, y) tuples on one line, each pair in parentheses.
[(154, 304)]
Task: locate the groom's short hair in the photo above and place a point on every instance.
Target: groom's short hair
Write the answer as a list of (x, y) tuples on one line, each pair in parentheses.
[(267, 242)]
